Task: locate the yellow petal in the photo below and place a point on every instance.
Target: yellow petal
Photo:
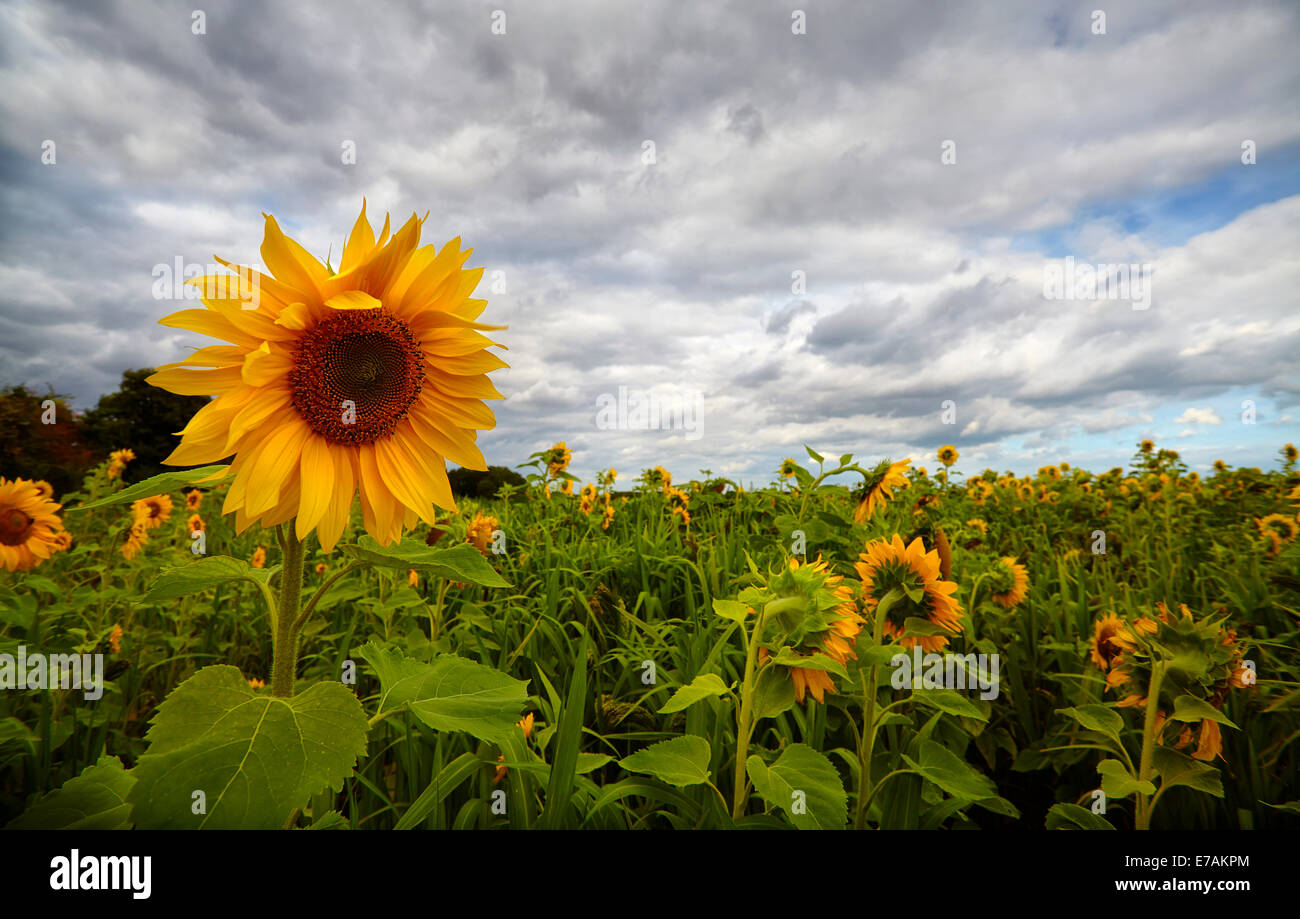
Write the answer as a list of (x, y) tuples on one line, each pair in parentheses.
[(353, 300)]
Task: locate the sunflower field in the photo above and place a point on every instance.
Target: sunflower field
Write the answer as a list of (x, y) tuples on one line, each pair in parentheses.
[(302, 627)]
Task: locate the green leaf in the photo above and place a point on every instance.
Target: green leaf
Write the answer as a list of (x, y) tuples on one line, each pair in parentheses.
[(1074, 817), (939, 765), (913, 626), (450, 693), (461, 562), (1175, 768), (1190, 708), (731, 609), (803, 783), (1118, 782), (452, 776), (256, 758), (589, 762), (789, 658), (952, 702), (158, 485), (704, 686), (846, 459), (680, 761), (773, 693), (568, 743), (198, 576), (817, 457), (1100, 718), (94, 800)]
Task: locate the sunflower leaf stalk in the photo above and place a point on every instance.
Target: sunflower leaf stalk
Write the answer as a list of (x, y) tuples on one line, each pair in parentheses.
[(869, 725), (1142, 818), (284, 664)]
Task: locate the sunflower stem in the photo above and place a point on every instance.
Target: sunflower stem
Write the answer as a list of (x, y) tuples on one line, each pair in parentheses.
[(284, 666), (744, 721), (1144, 805), (869, 726)]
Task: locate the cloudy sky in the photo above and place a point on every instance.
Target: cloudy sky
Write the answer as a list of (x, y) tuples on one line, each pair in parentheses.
[(812, 222)]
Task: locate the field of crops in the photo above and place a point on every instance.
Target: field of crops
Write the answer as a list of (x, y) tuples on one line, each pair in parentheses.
[(858, 644)]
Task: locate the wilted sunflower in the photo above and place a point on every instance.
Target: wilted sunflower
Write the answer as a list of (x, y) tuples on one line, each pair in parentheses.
[(363, 379), (1110, 638), (888, 564), (883, 478), (948, 455), (29, 524), (153, 512), (480, 531), (136, 537)]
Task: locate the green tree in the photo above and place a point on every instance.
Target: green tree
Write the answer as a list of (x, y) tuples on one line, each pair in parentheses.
[(142, 417), (42, 439)]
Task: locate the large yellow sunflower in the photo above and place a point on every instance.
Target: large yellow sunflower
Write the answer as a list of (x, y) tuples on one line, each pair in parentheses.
[(361, 380), (888, 564), (878, 491), (30, 527)]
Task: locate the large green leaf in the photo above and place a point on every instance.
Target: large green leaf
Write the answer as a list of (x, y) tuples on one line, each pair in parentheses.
[(937, 764), (94, 800), (773, 693), (456, 563), (449, 694), (804, 784), (1190, 708), (1118, 782), (1099, 718), (255, 757), (200, 575), (1175, 768), (680, 761), (704, 686), (1074, 817), (158, 485)]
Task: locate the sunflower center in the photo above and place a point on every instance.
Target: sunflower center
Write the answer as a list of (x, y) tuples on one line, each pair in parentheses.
[(15, 526), (355, 375)]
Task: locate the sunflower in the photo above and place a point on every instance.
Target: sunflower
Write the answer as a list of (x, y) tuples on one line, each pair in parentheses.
[(412, 577), (480, 531), (115, 638), (1146, 446), (117, 461), (608, 517), (62, 541), (1282, 526), (948, 455), (833, 629), (1110, 638), (152, 512), (259, 557), (195, 525), (788, 467), (558, 459), (1220, 466), (29, 524), (136, 537), (361, 380), (321, 568), (193, 499), (976, 523), (44, 489), (887, 565), (883, 478), (1290, 453), (567, 487), (1017, 577)]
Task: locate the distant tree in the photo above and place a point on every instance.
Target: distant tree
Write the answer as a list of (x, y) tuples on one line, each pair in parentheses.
[(31, 448), (142, 417), (472, 483)]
